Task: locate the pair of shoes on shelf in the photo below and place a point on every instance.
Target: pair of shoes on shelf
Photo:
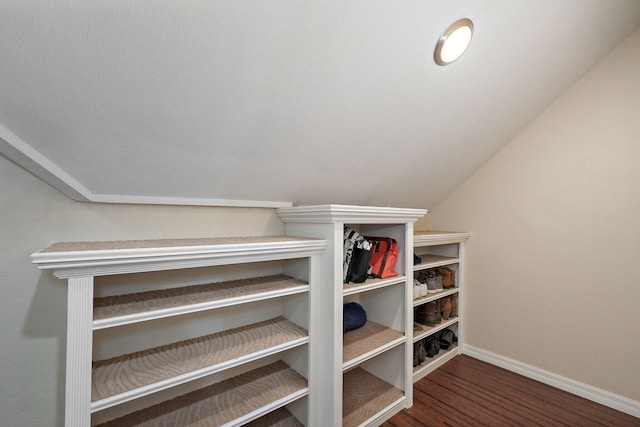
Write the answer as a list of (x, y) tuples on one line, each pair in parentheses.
[(448, 277), (448, 306), (419, 289), (432, 280), (434, 312), (441, 340)]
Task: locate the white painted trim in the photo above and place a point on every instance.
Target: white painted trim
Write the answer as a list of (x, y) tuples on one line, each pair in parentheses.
[(186, 201), (79, 350), (134, 260), (25, 156), (324, 214), (603, 397), (430, 238), (37, 164)]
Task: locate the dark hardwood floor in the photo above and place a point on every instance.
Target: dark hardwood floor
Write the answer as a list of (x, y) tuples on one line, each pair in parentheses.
[(468, 392)]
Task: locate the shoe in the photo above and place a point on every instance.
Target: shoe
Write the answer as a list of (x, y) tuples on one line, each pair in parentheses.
[(416, 259), (448, 277), (438, 310), (454, 305), (447, 339), (416, 289), (426, 314), (429, 280), (422, 354), (432, 345), (446, 307)]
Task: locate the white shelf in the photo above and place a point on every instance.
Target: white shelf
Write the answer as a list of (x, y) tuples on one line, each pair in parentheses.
[(443, 248), (370, 284), (381, 349), (232, 402), (78, 259), (431, 364), (120, 310), (367, 398), (367, 342), (426, 330), (132, 376), (435, 296), (430, 238), (95, 386), (432, 261)]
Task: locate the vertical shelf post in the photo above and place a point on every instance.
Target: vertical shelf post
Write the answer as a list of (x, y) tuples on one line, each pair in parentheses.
[(79, 349)]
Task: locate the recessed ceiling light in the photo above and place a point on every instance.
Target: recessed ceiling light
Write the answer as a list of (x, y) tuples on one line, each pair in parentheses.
[(453, 42)]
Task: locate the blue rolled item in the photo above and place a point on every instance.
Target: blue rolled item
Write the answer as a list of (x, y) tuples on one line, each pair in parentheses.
[(353, 316)]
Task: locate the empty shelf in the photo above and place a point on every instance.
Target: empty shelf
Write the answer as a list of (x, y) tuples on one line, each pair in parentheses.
[(123, 309), (367, 341), (231, 402), (366, 396), (126, 377)]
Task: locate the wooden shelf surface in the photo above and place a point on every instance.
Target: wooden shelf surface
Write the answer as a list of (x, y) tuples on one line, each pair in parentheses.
[(232, 402), (432, 261), (370, 284), (366, 396), (137, 307), (424, 330), (435, 296), (278, 418), (130, 376), (368, 341), (433, 363)]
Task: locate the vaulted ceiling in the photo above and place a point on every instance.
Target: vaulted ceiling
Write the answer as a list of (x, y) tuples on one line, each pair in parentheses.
[(276, 102)]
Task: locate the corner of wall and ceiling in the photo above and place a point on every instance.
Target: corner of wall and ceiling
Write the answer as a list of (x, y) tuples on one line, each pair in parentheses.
[(21, 153)]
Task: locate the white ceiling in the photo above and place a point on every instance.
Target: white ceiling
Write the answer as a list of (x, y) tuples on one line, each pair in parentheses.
[(310, 102)]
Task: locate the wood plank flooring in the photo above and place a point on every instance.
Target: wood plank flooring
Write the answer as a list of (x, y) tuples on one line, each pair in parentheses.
[(468, 392)]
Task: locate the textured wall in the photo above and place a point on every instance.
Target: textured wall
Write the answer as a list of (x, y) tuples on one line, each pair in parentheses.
[(553, 278), (33, 303)]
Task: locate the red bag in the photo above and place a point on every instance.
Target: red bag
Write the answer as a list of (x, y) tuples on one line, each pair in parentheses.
[(384, 255)]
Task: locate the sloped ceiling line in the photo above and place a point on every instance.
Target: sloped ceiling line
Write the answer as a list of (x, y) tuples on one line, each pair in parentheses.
[(31, 160)]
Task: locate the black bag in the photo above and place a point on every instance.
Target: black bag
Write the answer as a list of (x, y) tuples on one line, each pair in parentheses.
[(356, 257)]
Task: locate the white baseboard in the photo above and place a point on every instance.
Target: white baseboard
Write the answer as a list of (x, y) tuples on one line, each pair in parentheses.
[(594, 394)]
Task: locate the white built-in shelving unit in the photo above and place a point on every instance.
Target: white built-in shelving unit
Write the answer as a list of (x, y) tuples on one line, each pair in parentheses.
[(365, 375), (248, 331), (440, 249), (218, 330)]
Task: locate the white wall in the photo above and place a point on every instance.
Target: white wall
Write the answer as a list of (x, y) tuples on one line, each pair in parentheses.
[(553, 276), (33, 303)]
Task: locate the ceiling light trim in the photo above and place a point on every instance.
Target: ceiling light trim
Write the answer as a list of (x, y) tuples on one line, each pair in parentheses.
[(460, 31)]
